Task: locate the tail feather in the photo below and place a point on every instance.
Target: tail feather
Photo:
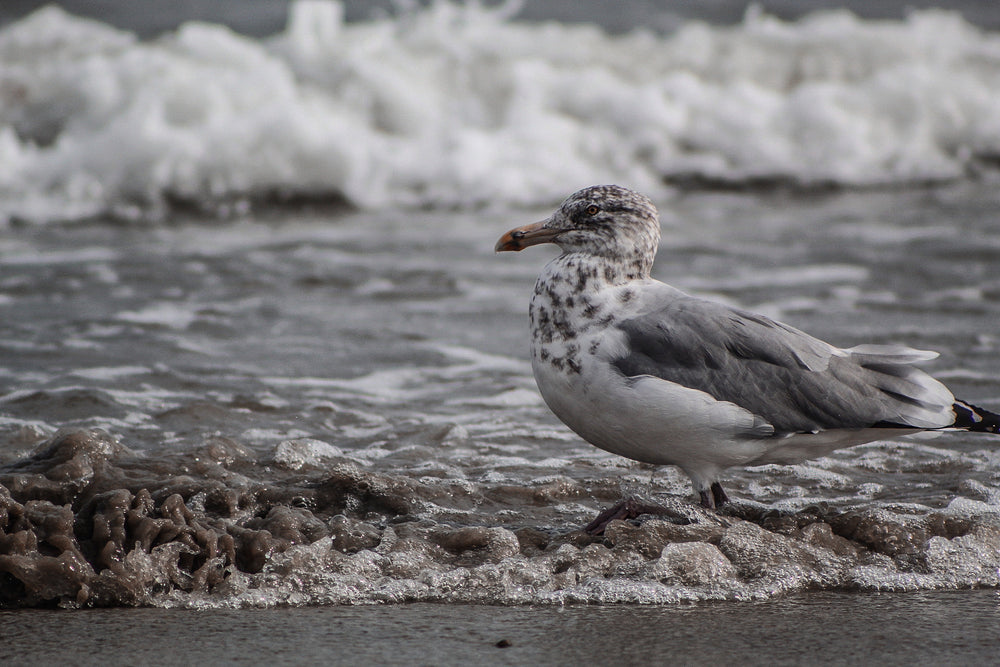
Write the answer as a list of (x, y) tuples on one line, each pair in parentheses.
[(972, 418)]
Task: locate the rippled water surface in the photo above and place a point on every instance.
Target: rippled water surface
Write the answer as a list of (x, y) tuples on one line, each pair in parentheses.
[(324, 406), (954, 627)]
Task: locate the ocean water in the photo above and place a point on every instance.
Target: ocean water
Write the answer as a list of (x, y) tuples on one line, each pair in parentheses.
[(256, 351)]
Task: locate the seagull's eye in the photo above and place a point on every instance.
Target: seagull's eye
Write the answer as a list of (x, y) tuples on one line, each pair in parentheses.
[(593, 210)]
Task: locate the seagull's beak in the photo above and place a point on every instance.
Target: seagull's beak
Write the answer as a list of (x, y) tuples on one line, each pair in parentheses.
[(520, 238)]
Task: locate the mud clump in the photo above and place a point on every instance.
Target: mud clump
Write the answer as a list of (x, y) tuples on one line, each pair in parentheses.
[(63, 467), (885, 531), (85, 521), (478, 543), (79, 527)]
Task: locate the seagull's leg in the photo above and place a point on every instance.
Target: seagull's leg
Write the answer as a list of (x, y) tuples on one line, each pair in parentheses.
[(719, 494), (713, 497)]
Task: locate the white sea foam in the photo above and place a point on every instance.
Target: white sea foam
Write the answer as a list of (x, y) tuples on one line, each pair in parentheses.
[(459, 105), (173, 315), (109, 372), (24, 255)]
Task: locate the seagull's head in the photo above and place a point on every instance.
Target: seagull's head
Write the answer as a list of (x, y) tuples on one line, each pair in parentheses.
[(605, 220)]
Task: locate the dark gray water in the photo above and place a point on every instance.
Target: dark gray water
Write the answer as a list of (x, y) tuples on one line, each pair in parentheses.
[(955, 628)]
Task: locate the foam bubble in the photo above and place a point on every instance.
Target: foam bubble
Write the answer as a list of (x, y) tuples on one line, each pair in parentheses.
[(109, 372), (296, 454), (172, 315)]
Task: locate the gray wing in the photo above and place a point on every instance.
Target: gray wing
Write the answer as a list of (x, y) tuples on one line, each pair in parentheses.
[(794, 381)]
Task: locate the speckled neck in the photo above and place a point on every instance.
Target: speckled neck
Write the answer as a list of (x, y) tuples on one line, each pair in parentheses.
[(576, 273), (567, 303)]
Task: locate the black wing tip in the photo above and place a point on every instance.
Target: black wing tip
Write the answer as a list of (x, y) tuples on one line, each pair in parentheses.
[(974, 418)]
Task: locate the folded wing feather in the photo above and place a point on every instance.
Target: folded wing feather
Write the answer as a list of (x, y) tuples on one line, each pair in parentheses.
[(795, 382)]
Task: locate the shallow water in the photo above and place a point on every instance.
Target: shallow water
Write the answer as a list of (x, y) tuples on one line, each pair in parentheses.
[(332, 407), (955, 628)]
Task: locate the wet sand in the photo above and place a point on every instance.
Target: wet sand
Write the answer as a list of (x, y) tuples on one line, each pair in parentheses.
[(953, 627)]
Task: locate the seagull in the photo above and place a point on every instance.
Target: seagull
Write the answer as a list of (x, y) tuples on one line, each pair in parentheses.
[(641, 369)]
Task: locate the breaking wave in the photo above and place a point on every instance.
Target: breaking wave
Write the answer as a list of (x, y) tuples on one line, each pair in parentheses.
[(465, 106)]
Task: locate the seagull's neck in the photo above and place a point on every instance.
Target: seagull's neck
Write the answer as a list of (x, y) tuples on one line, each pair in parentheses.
[(572, 295), (581, 272)]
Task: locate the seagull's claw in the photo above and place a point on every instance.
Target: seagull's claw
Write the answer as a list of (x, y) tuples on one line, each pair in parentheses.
[(629, 508)]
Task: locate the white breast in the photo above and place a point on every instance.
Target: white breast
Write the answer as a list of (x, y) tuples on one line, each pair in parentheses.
[(645, 418)]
